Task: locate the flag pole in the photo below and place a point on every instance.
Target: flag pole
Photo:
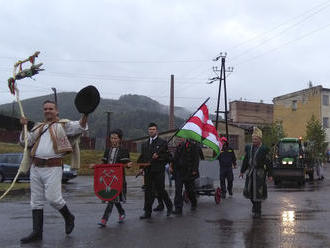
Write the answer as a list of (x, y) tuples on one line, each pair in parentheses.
[(187, 120)]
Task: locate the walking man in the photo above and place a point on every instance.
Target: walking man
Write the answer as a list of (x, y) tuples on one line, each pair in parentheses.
[(49, 142), (227, 161), (258, 166), (155, 152), (185, 169)]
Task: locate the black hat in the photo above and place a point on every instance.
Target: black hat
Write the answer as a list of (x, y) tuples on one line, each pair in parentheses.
[(87, 100)]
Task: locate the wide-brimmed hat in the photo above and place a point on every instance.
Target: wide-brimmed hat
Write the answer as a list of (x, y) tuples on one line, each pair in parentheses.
[(87, 99)]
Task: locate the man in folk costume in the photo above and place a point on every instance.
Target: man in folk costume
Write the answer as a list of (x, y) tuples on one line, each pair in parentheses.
[(49, 142), (258, 166)]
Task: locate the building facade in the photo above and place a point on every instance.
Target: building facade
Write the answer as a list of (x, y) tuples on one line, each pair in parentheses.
[(248, 114), (295, 109)]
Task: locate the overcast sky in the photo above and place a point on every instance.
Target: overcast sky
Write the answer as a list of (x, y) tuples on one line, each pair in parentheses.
[(132, 47)]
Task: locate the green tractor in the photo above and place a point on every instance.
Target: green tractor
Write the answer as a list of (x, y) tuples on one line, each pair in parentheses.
[(288, 161)]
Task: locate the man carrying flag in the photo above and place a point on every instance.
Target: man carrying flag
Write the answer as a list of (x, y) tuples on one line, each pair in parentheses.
[(185, 170), (201, 129), (186, 159)]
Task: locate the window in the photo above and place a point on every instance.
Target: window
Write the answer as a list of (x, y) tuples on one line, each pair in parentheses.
[(14, 159), (325, 122), (294, 105), (325, 100)]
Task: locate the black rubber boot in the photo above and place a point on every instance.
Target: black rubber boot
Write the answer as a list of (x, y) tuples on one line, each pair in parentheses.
[(145, 216), (257, 213), (69, 219), (253, 207), (177, 211), (160, 207), (36, 235)]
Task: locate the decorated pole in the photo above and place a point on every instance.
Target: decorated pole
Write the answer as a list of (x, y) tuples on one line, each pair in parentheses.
[(18, 75)]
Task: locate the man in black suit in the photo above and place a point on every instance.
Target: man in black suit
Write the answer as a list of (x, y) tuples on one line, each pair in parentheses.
[(155, 152), (185, 169)]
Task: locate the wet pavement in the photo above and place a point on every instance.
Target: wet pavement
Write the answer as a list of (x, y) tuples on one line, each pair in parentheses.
[(292, 217)]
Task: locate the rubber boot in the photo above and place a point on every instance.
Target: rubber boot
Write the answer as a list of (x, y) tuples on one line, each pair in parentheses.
[(36, 235), (69, 219)]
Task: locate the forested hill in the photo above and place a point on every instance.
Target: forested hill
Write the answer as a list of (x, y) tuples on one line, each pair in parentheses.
[(131, 113)]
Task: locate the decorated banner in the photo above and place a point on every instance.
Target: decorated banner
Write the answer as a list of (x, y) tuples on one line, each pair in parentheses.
[(108, 181)]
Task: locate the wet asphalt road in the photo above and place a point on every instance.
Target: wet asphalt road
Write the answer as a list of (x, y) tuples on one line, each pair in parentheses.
[(292, 217)]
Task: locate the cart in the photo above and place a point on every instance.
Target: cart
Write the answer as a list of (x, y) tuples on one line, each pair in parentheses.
[(204, 185)]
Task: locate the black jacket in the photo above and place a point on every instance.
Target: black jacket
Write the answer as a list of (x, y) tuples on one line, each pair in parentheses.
[(158, 146), (227, 158), (122, 155), (186, 160)]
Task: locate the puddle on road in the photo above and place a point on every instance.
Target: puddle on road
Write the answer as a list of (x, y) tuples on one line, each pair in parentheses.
[(293, 187), (224, 222)]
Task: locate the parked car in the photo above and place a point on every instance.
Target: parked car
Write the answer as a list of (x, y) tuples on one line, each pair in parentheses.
[(10, 162)]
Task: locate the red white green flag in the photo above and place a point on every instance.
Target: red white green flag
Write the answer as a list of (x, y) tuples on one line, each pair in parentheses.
[(201, 129)]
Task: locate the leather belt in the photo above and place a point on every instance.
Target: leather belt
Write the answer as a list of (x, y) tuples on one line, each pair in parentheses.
[(52, 162)]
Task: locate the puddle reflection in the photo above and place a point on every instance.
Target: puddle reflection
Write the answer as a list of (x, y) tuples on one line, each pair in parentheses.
[(288, 223)]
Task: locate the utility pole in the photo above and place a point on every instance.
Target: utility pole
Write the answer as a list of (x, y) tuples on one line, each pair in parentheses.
[(107, 140), (55, 95), (221, 78)]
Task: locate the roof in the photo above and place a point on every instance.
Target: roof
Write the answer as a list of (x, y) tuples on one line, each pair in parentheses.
[(251, 103), (300, 92)]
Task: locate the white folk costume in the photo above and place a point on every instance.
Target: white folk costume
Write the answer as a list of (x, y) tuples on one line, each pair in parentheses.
[(48, 143), (52, 145)]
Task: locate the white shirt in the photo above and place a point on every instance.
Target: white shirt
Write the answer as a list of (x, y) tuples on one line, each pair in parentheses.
[(45, 148), (152, 139), (112, 158)]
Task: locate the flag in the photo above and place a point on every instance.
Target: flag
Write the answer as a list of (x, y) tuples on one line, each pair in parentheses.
[(201, 129)]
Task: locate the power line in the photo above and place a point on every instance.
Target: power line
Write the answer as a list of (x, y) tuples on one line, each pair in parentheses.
[(286, 43), (280, 33), (280, 25), (120, 61)]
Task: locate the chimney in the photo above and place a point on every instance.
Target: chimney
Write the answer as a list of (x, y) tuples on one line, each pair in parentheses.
[(171, 124)]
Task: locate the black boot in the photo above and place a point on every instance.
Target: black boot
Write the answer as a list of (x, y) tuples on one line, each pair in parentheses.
[(253, 207), (38, 219), (69, 219), (257, 213), (177, 211), (169, 207), (160, 207), (145, 216)]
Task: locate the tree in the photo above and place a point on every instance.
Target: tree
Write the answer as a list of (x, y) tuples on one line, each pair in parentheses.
[(316, 138), (273, 133)]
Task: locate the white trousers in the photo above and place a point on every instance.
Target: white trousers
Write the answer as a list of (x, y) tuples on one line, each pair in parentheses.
[(46, 185)]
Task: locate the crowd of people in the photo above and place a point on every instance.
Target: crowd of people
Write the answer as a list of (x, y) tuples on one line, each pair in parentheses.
[(50, 140)]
